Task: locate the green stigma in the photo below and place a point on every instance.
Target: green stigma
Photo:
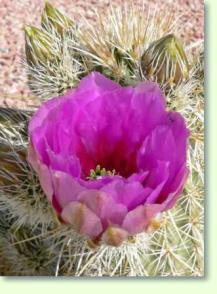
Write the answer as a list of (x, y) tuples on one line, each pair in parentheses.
[(100, 172)]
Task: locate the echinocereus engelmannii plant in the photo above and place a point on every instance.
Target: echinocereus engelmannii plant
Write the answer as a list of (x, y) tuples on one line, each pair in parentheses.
[(36, 240)]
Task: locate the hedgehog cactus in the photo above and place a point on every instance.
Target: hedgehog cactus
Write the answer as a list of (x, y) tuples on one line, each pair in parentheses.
[(126, 47)]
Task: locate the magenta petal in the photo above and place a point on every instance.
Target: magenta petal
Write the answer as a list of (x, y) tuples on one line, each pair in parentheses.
[(43, 172), (82, 219), (70, 165), (45, 180), (180, 134), (97, 82), (158, 146), (103, 205), (94, 200), (169, 197), (130, 194), (146, 111), (66, 188), (113, 213), (33, 157), (41, 115), (138, 177), (138, 219), (156, 180)]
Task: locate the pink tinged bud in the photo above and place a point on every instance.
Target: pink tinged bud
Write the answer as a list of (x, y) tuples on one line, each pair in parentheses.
[(82, 219), (114, 236)]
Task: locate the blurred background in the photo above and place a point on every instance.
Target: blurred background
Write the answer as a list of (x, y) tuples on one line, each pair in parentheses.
[(14, 15)]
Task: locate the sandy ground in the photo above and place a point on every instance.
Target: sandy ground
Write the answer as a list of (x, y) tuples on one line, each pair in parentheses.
[(14, 15)]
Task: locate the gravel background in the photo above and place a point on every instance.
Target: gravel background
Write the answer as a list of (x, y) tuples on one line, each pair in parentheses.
[(15, 14)]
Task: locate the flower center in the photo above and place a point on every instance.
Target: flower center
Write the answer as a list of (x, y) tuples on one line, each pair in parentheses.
[(99, 172)]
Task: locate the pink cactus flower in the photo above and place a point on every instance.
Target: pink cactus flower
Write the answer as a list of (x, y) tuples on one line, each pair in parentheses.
[(109, 158)]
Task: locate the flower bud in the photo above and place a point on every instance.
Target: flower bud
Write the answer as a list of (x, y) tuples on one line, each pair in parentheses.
[(165, 61), (37, 45), (54, 18)]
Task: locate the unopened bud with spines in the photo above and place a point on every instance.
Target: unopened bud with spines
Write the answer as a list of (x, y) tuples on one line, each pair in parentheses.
[(53, 18), (37, 45), (165, 61)]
